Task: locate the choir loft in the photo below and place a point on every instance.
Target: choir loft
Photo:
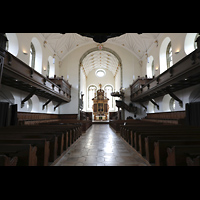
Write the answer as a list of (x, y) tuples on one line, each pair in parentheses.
[(99, 99)]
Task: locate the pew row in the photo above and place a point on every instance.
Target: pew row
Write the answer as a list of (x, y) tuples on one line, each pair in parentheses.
[(8, 161), (25, 152), (49, 139), (177, 155), (153, 140)]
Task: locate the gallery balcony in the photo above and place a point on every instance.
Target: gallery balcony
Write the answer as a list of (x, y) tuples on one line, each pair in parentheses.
[(19, 75), (181, 75)]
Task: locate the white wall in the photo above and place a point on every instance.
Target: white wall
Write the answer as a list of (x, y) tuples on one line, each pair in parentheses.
[(18, 44), (69, 66), (180, 43)]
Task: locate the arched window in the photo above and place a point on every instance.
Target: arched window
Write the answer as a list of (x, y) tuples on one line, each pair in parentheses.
[(172, 104), (32, 56), (92, 91), (190, 45), (108, 90), (12, 45), (166, 60), (48, 68), (51, 67), (150, 67), (169, 55), (153, 68), (195, 43), (35, 60)]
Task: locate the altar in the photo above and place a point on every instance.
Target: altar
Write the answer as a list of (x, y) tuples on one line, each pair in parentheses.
[(100, 105)]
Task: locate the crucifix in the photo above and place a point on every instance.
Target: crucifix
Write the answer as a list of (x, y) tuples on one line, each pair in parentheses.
[(100, 85)]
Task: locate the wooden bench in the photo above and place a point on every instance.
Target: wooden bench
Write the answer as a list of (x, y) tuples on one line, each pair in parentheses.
[(177, 154), (193, 160), (162, 143), (53, 140), (177, 117), (145, 144), (7, 161), (60, 136), (127, 131), (41, 144), (25, 152), (149, 129), (139, 134)]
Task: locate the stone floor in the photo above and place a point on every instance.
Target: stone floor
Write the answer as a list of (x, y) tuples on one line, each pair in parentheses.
[(101, 146)]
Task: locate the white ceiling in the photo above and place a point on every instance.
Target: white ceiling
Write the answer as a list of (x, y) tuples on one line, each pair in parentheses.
[(63, 44), (100, 60)]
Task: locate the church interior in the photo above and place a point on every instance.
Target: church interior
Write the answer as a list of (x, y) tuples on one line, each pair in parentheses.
[(99, 99)]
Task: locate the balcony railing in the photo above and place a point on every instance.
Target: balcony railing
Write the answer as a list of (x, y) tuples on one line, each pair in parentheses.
[(19, 75), (183, 74)]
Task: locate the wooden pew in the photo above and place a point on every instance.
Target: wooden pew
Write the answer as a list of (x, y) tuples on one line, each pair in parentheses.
[(40, 130), (67, 134), (193, 160), (41, 144), (53, 140), (177, 154), (7, 161), (25, 152), (130, 132), (160, 147), (59, 136), (145, 144), (150, 130), (141, 134)]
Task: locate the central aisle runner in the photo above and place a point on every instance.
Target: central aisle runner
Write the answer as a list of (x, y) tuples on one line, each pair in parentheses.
[(101, 146)]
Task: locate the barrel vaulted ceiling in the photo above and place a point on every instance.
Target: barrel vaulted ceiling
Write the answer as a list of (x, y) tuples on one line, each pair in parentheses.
[(63, 44)]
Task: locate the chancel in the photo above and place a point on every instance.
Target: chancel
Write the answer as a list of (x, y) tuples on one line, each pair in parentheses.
[(99, 99), (100, 105)]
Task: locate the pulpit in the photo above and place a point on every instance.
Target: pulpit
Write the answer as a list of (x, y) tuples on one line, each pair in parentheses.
[(100, 106)]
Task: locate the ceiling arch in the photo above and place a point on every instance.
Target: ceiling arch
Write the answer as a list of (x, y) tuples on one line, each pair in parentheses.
[(63, 44), (100, 58)]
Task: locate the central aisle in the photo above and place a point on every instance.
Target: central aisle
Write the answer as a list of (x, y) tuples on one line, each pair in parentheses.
[(101, 146)]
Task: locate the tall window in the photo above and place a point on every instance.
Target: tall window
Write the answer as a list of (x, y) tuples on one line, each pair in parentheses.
[(92, 91), (108, 89), (195, 43), (32, 56), (169, 55), (48, 68), (172, 104), (152, 68)]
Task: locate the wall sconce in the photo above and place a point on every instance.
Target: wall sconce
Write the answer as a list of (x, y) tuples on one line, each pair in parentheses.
[(25, 52), (157, 68), (44, 68), (177, 51)]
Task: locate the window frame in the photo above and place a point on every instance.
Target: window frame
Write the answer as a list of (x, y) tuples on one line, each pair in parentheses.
[(169, 55), (32, 56)]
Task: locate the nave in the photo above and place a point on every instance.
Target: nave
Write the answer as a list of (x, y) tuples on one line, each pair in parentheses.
[(101, 146)]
